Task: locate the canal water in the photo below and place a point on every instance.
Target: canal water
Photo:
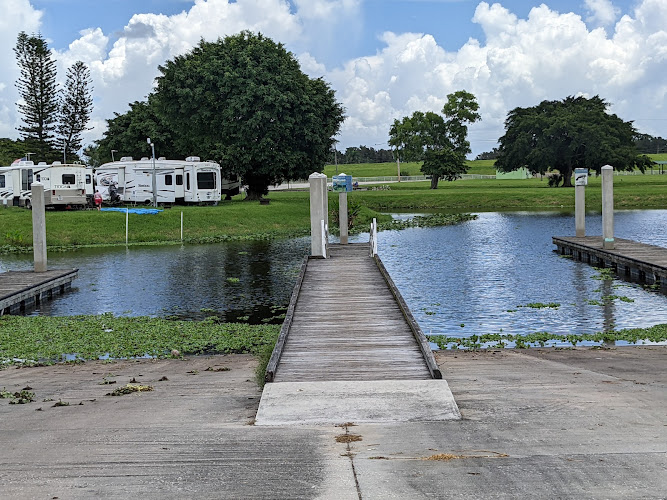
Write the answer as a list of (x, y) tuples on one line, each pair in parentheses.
[(473, 278)]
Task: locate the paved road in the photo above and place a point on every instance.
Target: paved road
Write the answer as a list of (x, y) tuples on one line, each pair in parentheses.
[(536, 424)]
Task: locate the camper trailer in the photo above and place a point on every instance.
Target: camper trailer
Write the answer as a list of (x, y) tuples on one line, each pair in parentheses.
[(176, 181), (65, 185)]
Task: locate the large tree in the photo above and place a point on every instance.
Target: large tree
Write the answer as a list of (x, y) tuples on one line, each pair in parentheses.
[(126, 134), (244, 101), (441, 142), (75, 108), (576, 132), (39, 94)]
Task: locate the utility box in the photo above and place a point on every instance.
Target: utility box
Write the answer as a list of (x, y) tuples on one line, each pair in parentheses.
[(581, 177), (342, 183)]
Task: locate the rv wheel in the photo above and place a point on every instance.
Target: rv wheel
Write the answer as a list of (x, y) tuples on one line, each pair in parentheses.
[(28, 205)]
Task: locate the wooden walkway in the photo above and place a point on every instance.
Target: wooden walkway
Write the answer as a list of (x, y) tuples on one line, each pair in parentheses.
[(347, 321), (630, 258), (21, 290)]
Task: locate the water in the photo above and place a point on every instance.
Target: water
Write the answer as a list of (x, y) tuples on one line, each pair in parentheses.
[(247, 281), (470, 274), (464, 280)]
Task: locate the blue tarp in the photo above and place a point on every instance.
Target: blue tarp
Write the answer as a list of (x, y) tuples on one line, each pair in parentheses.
[(140, 211)]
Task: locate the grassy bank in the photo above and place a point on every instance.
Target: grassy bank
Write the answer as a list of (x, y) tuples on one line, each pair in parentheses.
[(49, 339), (287, 214), (481, 167)]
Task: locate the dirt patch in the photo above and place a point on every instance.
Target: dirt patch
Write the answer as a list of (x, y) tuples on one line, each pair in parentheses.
[(348, 438)]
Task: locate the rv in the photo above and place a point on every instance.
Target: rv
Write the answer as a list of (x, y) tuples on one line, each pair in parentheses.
[(176, 181), (65, 185)]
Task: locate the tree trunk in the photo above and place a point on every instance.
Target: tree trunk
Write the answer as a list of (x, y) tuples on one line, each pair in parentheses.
[(567, 178), (434, 181), (257, 187)]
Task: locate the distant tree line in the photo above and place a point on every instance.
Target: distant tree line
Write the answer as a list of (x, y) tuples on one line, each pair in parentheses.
[(647, 144), (53, 119), (361, 154)]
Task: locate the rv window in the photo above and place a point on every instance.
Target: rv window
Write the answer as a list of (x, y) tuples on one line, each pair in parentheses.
[(39, 179), (89, 178), (167, 180), (206, 180), (69, 179), (187, 181), (26, 179), (179, 179), (2, 181)]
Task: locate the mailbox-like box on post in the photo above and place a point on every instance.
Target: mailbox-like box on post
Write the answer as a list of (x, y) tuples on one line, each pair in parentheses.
[(342, 183)]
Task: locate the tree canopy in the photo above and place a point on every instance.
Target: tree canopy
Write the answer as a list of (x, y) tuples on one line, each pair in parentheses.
[(576, 132), (244, 101), (127, 133), (75, 107), (442, 142)]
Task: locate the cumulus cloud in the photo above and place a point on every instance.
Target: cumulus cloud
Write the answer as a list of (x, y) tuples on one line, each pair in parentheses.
[(548, 55), (602, 12)]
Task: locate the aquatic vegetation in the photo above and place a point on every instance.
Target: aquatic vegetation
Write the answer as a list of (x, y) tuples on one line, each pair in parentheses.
[(540, 305), (657, 333), (432, 220), (42, 339)]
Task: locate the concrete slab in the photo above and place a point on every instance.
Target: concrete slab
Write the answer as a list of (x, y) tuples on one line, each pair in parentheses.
[(338, 402)]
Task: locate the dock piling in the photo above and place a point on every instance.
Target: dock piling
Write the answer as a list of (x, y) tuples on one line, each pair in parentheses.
[(607, 207), (39, 227), (319, 214)]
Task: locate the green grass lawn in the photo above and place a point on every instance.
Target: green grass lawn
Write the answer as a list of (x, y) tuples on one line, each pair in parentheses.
[(482, 167), (288, 212)]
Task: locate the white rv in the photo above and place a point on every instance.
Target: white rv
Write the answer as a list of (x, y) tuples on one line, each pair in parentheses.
[(176, 181), (65, 185)]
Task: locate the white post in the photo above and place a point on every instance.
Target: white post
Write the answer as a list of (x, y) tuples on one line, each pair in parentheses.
[(342, 216), (38, 226), (181, 226), (608, 207), (580, 182), (127, 221), (373, 240), (319, 219)]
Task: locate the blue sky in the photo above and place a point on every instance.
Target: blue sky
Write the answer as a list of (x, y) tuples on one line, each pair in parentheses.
[(384, 58)]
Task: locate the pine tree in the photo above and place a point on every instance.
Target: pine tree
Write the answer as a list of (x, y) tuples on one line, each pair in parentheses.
[(75, 108), (39, 93)]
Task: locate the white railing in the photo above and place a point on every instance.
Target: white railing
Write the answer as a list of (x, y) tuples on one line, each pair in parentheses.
[(373, 238), (325, 239)]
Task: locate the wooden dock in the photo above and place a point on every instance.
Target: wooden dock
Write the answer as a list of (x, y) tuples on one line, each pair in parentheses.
[(638, 261), (22, 290), (348, 322)]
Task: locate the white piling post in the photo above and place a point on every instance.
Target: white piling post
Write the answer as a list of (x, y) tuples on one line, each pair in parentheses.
[(127, 222), (342, 217), (580, 182), (319, 219), (181, 226), (38, 227), (608, 207)]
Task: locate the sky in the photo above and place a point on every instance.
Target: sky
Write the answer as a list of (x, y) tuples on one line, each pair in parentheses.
[(384, 58)]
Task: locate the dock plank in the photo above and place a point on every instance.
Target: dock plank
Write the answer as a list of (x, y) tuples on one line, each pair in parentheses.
[(21, 289), (650, 260), (347, 325)]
